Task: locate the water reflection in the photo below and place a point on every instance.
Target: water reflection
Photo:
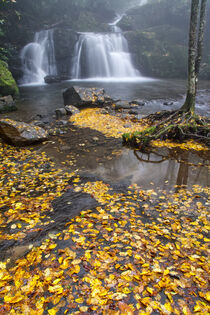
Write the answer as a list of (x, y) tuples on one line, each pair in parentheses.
[(46, 98), (164, 169)]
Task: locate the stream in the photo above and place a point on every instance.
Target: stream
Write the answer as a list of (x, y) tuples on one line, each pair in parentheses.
[(164, 169)]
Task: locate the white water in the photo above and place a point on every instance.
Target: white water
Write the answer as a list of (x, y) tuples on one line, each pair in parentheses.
[(101, 56), (38, 59)]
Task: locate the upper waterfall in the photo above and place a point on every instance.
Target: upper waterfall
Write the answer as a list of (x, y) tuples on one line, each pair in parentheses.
[(38, 58), (103, 56)]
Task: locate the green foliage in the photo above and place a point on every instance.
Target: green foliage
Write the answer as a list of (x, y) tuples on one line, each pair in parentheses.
[(8, 85)]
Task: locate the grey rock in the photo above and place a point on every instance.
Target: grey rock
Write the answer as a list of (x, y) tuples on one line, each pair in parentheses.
[(122, 105), (20, 133), (52, 79), (39, 123), (133, 111), (84, 97), (71, 110), (137, 102), (7, 104), (104, 111), (95, 138), (168, 103), (60, 112)]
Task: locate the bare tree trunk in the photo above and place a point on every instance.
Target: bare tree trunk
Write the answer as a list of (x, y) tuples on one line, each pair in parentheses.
[(189, 104), (200, 37), (195, 52)]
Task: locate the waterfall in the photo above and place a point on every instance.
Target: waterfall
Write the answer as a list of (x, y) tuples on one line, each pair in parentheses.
[(103, 56), (38, 58)]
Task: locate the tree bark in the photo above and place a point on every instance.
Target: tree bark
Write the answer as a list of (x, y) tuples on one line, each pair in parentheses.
[(189, 105), (200, 37)]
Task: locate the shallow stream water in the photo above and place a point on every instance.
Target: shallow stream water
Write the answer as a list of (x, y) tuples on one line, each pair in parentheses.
[(44, 99), (164, 170)]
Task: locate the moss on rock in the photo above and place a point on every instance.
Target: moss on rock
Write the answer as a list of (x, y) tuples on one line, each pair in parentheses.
[(8, 85)]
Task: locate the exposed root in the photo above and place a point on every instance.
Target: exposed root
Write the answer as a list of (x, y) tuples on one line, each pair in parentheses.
[(176, 125)]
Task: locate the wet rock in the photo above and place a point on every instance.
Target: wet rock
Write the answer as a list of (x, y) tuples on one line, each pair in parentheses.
[(168, 103), (133, 111), (122, 105), (70, 204), (20, 133), (71, 110), (39, 123), (104, 111), (84, 97), (62, 123), (137, 102), (60, 112), (95, 138), (7, 104), (52, 79)]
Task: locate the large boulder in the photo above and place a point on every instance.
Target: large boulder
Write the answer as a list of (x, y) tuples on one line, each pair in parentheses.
[(85, 97), (7, 104), (20, 133), (8, 85)]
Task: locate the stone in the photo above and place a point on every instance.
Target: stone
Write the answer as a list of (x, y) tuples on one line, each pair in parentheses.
[(168, 103), (137, 102), (7, 104), (60, 112), (71, 110), (52, 79), (8, 85), (133, 111), (84, 97), (39, 123), (104, 111), (122, 105), (95, 138), (20, 133)]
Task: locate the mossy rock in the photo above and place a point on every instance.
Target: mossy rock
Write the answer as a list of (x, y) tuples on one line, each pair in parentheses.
[(8, 85)]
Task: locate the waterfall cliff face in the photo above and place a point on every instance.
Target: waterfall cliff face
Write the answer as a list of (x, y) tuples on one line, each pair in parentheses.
[(103, 56), (38, 58)]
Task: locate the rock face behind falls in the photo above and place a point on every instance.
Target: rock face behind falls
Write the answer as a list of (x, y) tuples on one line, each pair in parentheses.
[(20, 133)]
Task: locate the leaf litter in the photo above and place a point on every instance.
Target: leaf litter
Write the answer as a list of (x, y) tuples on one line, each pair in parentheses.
[(138, 252)]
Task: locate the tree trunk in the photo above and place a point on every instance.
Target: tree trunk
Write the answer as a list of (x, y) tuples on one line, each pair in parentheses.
[(189, 105), (200, 37), (195, 52)]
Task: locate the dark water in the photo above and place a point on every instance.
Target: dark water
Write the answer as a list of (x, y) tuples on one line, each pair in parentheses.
[(46, 98), (146, 171)]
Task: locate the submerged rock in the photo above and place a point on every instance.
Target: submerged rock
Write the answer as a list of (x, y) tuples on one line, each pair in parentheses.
[(168, 103), (7, 104), (85, 97), (20, 133)]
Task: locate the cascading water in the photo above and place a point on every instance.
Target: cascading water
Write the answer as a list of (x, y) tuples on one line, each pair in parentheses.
[(38, 58), (103, 56)]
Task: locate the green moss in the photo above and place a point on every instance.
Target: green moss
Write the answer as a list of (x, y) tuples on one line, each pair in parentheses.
[(8, 85)]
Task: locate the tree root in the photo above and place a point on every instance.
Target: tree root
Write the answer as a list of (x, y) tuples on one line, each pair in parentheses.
[(176, 125)]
